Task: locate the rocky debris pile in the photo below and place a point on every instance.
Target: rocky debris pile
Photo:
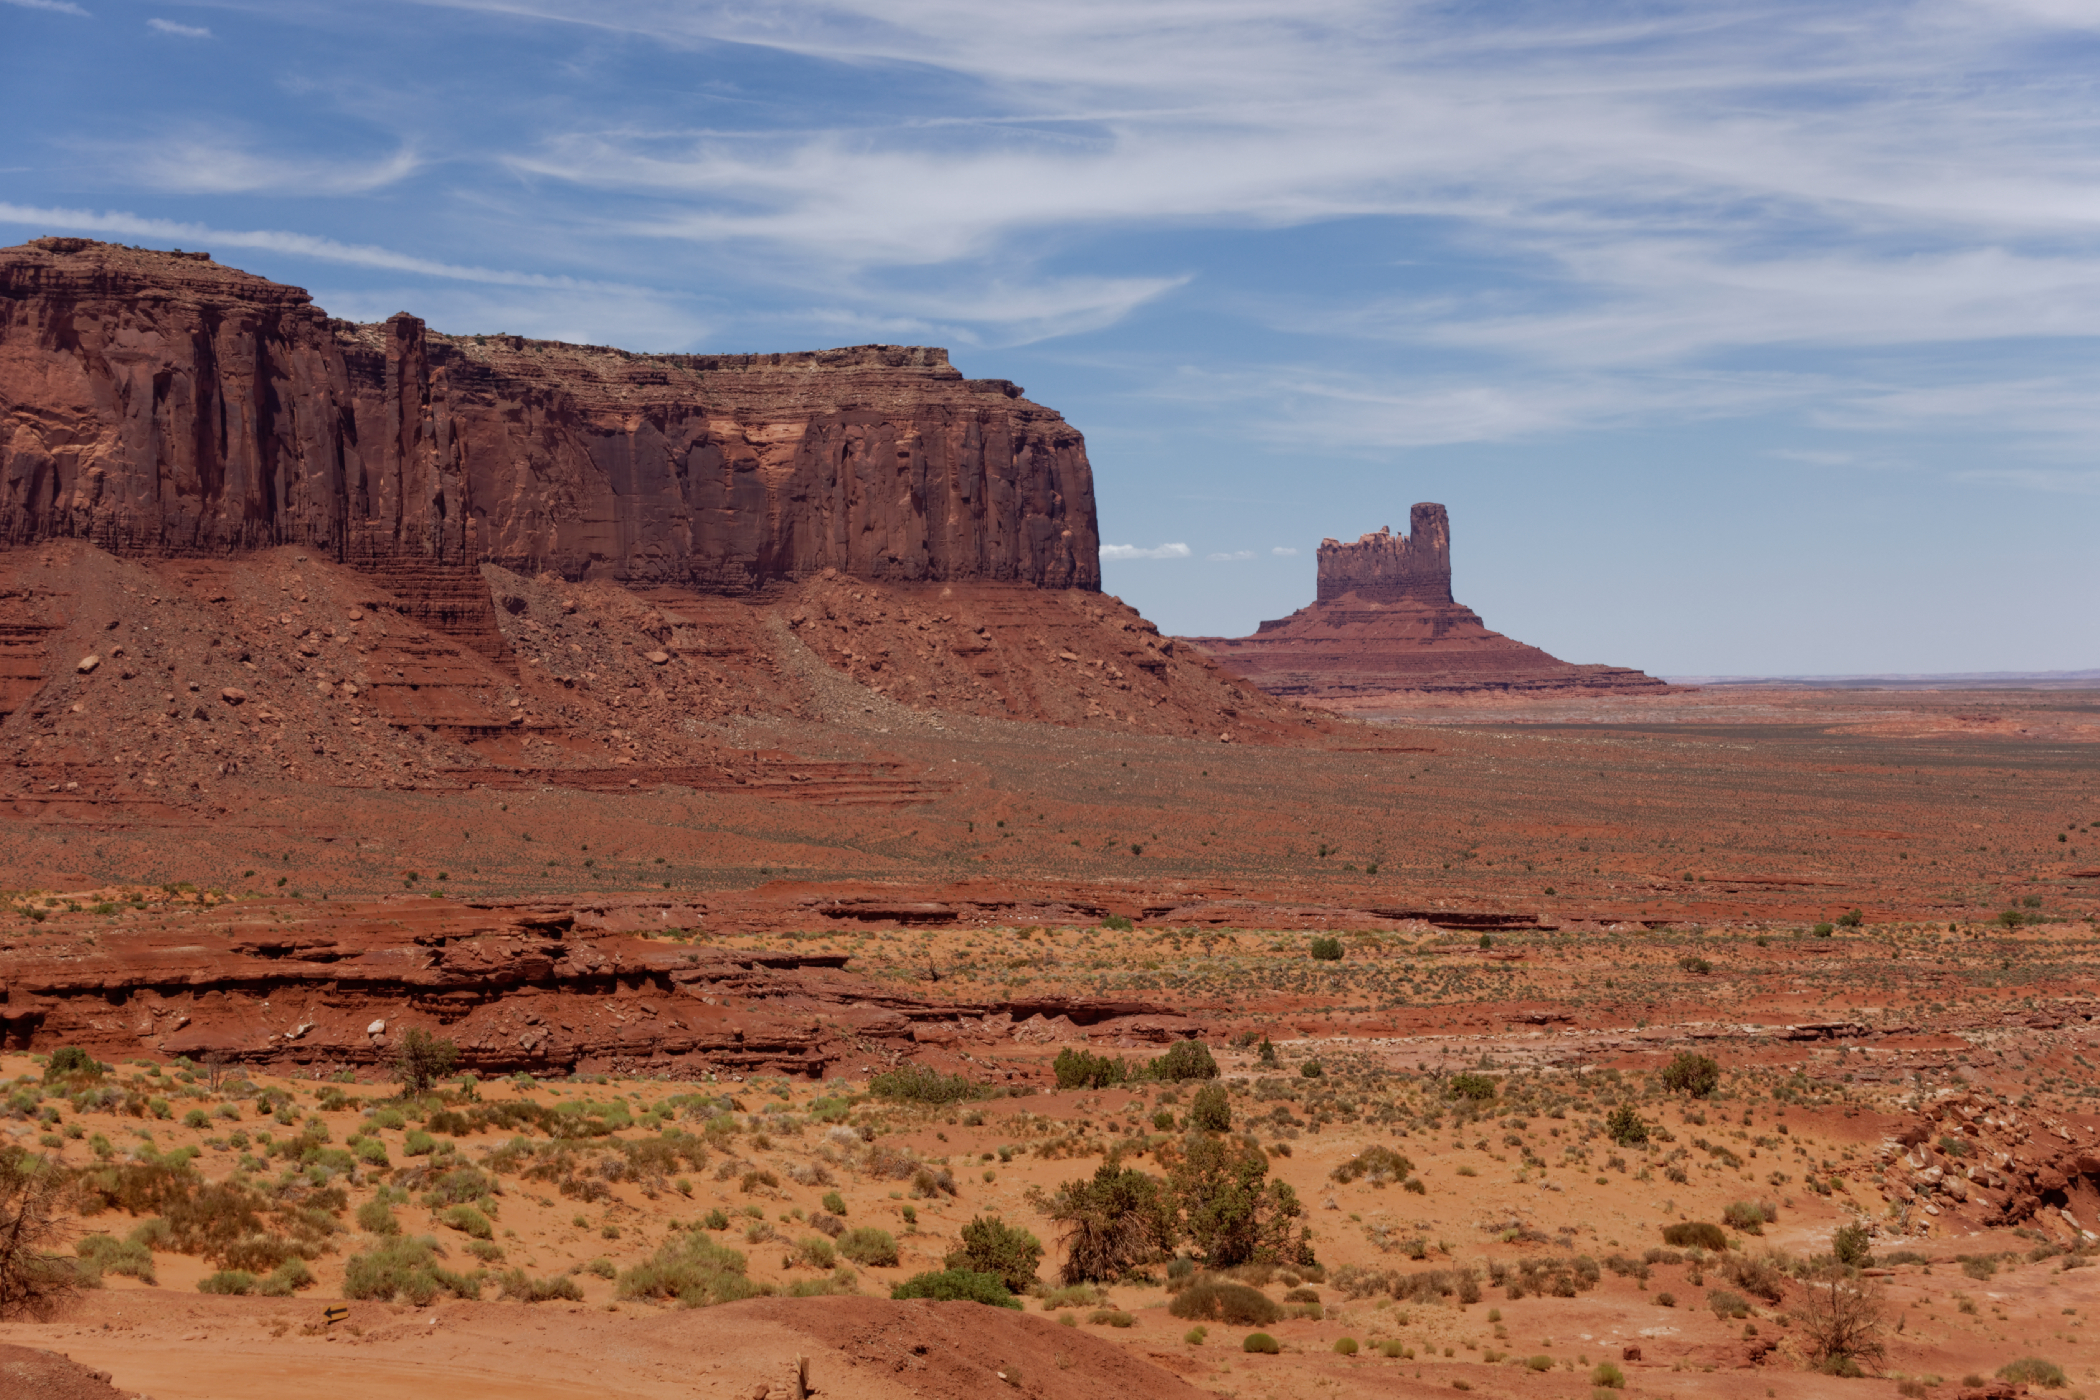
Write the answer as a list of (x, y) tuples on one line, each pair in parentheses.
[(1078, 659), (1998, 1165), (1384, 622)]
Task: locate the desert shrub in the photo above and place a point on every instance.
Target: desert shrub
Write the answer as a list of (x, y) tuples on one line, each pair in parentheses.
[(932, 1181), (1210, 1110), (1083, 1069), (815, 1251), (1378, 1163), (459, 1186), (1327, 949), (1184, 1060), (839, 1283), (834, 1202), (286, 1279), (237, 1282), (1607, 1375), (1693, 1074), (1550, 1276), (1625, 1127), (1345, 1346), (991, 1246), (375, 1217), (1232, 1212), (2033, 1370), (826, 1223), (1761, 1278), (1477, 1087), (1112, 1222), (1727, 1304), (1852, 1245), (71, 1062), (1697, 966), (957, 1285), (106, 1254), (1078, 1295), (519, 1285), (919, 1084), (405, 1267), (1749, 1217), (1312, 1069), (693, 1269), (1843, 1322), (1262, 1343), (1212, 1299), (422, 1060), (869, 1247), (1695, 1234), (418, 1143), (1980, 1267)]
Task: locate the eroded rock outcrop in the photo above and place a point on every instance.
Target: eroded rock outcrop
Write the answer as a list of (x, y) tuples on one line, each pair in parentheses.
[(1385, 622), (159, 403)]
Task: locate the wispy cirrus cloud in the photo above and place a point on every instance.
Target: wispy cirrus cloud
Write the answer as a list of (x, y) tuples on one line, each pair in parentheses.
[(279, 241), (62, 7), (1161, 551), (180, 31)]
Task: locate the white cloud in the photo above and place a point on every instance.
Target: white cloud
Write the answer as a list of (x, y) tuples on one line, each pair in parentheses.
[(1282, 551), (279, 241), (63, 7), (1131, 551), (207, 164), (181, 31), (1229, 558)]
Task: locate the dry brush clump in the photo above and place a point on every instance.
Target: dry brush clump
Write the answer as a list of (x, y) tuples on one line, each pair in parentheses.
[(34, 1278), (1845, 1322)]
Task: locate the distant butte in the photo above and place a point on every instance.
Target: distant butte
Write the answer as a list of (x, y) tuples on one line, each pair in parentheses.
[(1385, 623)]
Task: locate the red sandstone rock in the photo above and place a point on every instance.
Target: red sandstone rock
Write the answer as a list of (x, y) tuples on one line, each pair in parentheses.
[(1385, 622), (160, 403)]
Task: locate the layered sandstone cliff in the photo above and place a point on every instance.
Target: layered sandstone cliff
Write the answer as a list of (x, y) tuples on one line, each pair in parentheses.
[(1384, 622), (159, 403)]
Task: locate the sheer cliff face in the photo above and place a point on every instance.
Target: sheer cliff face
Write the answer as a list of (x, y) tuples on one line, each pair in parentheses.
[(1386, 568), (160, 403)]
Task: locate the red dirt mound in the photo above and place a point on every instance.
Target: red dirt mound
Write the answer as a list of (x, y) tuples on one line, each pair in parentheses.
[(29, 1374)]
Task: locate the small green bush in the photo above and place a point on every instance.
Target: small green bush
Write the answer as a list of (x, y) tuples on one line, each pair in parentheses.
[(1108, 1317), (1377, 1162), (1083, 1069), (1184, 1060), (1345, 1346), (1211, 1110), (1312, 1069), (1262, 1343), (1212, 1299), (1195, 1335), (918, 1084), (1691, 1073), (1477, 1087), (1749, 1217), (418, 1144), (405, 1267), (519, 1285), (468, 1221), (238, 1282), (1852, 1245), (1625, 1127), (833, 1202), (957, 1285), (1695, 1234), (1327, 949), (693, 1269), (1538, 1363), (991, 1246), (106, 1254), (286, 1279), (869, 1247), (1607, 1375), (2033, 1370), (374, 1217), (1727, 1304)]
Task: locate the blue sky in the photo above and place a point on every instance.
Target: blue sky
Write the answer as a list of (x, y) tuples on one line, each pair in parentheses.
[(1739, 338)]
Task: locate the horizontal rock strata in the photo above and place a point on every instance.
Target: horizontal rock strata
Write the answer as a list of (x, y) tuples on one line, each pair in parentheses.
[(161, 403)]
